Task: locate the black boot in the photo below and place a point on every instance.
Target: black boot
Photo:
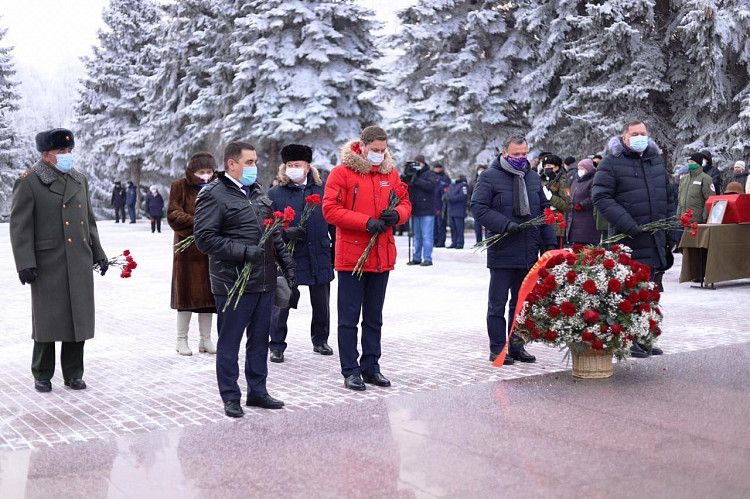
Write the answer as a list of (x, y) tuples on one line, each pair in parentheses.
[(637, 352)]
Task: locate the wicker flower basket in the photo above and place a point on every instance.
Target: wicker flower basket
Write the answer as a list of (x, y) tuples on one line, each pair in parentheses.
[(591, 364)]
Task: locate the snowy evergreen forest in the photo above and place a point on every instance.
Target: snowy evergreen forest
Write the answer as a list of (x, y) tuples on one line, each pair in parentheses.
[(167, 80)]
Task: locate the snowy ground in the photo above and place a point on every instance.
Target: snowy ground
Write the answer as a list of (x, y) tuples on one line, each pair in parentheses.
[(434, 337)]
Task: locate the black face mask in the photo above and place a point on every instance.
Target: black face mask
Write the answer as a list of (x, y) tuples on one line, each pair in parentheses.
[(549, 172)]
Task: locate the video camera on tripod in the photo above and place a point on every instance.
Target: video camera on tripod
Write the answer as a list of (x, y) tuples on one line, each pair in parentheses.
[(410, 171)]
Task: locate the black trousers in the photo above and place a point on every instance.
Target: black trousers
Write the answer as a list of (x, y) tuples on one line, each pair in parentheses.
[(119, 214), (131, 213), (367, 296), (457, 232), (478, 231), (155, 224), (71, 360), (502, 283), (252, 316), (441, 231), (320, 297)]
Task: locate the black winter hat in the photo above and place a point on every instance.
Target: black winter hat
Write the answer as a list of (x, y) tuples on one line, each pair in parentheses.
[(552, 159), (296, 152), (569, 160), (696, 158), (57, 138)]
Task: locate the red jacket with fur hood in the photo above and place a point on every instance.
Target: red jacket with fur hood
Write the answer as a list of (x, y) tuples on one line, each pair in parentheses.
[(355, 192)]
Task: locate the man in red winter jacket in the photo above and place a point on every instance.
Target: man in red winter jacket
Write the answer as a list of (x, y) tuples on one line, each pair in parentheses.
[(356, 202)]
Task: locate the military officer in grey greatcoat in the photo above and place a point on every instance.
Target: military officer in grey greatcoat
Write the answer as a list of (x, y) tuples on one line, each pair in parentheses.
[(55, 246)]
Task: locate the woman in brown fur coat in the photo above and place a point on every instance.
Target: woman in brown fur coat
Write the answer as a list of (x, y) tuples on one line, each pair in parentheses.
[(191, 288)]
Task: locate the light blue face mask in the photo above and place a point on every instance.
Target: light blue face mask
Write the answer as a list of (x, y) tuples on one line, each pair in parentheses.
[(249, 174), (64, 162), (639, 143)]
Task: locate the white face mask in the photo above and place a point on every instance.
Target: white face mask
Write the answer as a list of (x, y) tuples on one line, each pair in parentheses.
[(205, 177), (375, 158), (581, 173), (295, 174)]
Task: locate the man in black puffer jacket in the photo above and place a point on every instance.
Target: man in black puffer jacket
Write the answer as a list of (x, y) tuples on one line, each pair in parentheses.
[(631, 188), (506, 195), (229, 215)]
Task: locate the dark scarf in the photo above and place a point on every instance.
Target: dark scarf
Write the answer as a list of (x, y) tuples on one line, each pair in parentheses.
[(520, 195)]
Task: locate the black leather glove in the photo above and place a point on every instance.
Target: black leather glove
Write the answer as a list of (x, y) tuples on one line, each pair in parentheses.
[(390, 217), (103, 266), (291, 280), (27, 276), (295, 233), (635, 231), (253, 254), (512, 228), (375, 226)]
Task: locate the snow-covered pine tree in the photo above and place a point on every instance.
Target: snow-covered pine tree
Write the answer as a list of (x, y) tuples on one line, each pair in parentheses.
[(189, 95), (9, 164), (710, 46), (305, 74), (458, 79), (109, 136)]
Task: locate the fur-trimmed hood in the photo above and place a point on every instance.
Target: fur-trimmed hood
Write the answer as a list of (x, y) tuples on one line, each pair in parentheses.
[(284, 178), (351, 156), (616, 148)]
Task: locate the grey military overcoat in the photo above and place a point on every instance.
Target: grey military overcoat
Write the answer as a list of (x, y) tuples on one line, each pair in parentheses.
[(52, 228)]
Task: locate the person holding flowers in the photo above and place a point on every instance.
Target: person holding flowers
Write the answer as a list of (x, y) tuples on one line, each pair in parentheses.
[(364, 199), (631, 189), (232, 216), (506, 196), (695, 188), (309, 240), (191, 288)]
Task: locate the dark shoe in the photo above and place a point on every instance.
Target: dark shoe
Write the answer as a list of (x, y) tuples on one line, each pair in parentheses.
[(459, 247), (43, 385), (451, 247), (265, 401), (323, 349), (354, 382), (637, 352), (426, 263), (413, 262), (521, 355), (507, 362), (233, 409), (438, 246), (277, 356), (75, 384), (652, 350), (376, 379)]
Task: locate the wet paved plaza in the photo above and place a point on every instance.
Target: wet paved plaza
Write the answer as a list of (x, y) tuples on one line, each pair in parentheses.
[(151, 422)]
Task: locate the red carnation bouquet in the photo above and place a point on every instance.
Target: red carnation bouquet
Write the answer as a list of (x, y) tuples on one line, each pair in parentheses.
[(277, 220), (548, 218), (124, 260), (311, 202), (592, 298), (394, 198), (669, 223)]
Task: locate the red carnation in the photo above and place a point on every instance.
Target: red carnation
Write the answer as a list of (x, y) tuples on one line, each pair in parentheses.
[(625, 306), (588, 336), (657, 332), (631, 281), (268, 222), (633, 297), (614, 286), (550, 335), (543, 273), (597, 344), (536, 335), (549, 282), (559, 259), (529, 324), (590, 287), (401, 190), (644, 308), (652, 324), (549, 216), (644, 295), (655, 296), (126, 252), (577, 248), (570, 276), (629, 337), (313, 199), (289, 214), (657, 310), (623, 258), (568, 309), (694, 229), (356, 149), (617, 329), (590, 316), (615, 247), (570, 259), (609, 264), (278, 214), (553, 311), (532, 298), (603, 328), (578, 207)]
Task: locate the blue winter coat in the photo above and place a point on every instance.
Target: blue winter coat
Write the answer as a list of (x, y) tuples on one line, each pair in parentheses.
[(458, 194), (422, 193), (155, 205), (130, 195), (632, 189), (312, 255), (443, 181), (492, 206)]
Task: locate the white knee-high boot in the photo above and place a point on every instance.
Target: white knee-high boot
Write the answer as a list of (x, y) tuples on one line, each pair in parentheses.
[(204, 326), (183, 325)]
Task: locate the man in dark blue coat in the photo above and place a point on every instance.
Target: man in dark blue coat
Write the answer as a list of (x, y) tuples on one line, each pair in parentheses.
[(312, 248), (631, 188), (441, 215), (422, 184), (506, 195), (130, 198), (458, 194)]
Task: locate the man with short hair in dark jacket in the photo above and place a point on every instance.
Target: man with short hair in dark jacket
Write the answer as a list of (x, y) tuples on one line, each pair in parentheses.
[(131, 194), (422, 184), (458, 194), (632, 188), (229, 223), (441, 208), (118, 202), (712, 171), (506, 195)]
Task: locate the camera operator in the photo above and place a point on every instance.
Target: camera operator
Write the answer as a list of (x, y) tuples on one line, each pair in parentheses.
[(422, 185)]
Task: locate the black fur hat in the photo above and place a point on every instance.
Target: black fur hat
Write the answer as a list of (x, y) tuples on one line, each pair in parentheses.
[(57, 138), (296, 152)]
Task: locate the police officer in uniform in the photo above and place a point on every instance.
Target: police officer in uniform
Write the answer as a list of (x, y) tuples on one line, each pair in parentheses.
[(55, 246)]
